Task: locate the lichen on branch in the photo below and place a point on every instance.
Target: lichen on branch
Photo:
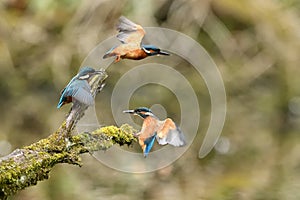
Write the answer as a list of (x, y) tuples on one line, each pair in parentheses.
[(26, 166)]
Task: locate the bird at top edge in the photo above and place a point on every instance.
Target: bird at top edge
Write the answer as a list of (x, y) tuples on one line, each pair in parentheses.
[(78, 89), (165, 131), (131, 35)]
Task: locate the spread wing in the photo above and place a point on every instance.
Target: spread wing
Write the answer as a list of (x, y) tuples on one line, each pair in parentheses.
[(169, 133), (130, 32), (79, 90)]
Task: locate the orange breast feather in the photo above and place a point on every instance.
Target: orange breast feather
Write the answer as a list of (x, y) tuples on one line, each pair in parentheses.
[(149, 128), (135, 54)]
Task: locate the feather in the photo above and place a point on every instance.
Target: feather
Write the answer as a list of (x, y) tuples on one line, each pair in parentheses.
[(149, 144), (169, 133), (79, 90), (130, 32), (175, 138), (109, 53)]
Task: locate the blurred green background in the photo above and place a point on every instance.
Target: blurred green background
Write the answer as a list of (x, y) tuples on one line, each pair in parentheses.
[(256, 46)]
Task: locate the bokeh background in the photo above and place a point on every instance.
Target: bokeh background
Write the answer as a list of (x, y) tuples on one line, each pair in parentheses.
[(256, 46)]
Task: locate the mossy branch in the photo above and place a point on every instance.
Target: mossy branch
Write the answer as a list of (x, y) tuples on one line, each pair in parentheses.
[(26, 166)]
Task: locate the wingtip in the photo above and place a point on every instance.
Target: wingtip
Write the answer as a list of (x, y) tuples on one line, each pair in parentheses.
[(122, 17), (183, 143), (182, 137), (125, 24)]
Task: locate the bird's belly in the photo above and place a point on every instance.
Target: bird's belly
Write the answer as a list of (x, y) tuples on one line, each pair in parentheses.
[(130, 52), (135, 54)]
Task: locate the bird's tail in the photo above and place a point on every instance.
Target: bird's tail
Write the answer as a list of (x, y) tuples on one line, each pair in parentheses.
[(110, 53), (149, 144), (107, 55)]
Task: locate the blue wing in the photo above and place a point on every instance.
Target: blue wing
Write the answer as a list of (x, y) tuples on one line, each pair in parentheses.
[(79, 90), (149, 144), (62, 99)]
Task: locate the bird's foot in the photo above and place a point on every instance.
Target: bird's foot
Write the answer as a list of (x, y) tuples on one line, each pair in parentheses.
[(136, 134), (118, 58)]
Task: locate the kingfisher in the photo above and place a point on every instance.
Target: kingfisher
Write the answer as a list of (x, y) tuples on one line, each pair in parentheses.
[(131, 35), (165, 131), (78, 89)]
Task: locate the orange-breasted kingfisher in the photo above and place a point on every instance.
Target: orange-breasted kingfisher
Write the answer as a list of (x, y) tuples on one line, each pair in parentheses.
[(78, 88), (165, 132), (131, 35)]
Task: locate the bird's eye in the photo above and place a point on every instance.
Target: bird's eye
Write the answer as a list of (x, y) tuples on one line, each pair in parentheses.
[(84, 77)]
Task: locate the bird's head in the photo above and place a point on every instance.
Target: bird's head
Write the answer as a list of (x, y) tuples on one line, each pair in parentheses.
[(143, 112), (86, 73), (152, 50)]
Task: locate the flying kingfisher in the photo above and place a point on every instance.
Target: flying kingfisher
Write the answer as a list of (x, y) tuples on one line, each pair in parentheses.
[(131, 35), (78, 88), (165, 132)]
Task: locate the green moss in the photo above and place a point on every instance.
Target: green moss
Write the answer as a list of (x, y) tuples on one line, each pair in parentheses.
[(122, 135), (105, 137), (27, 166)]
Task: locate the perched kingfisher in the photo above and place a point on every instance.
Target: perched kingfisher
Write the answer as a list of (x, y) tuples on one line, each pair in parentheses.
[(131, 35), (78, 88), (165, 132)]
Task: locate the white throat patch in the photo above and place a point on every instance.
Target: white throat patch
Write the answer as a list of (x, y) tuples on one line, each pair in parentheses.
[(84, 77)]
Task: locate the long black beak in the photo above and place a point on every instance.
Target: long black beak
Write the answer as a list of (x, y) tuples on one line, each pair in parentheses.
[(164, 53), (129, 111)]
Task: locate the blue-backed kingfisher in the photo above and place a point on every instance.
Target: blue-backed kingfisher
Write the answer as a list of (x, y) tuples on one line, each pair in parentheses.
[(131, 35), (165, 132), (78, 88)]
